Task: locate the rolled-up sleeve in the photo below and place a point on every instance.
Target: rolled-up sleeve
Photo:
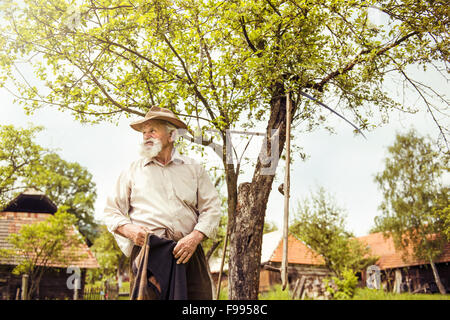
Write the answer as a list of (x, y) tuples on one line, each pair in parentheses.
[(117, 205), (116, 210), (208, 204)]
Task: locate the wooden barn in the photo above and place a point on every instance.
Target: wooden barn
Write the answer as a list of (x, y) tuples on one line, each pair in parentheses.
[(302, 262), (306, 268), (410, 275), (27, 208)]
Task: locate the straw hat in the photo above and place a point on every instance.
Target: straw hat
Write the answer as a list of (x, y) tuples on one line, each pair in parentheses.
[(157, 113)]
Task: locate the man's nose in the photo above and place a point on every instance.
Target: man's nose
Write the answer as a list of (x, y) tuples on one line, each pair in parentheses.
[(147, 136)]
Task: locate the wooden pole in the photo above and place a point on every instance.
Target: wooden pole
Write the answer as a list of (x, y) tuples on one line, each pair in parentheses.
[(219, 281), (25, 287), (284, 262)]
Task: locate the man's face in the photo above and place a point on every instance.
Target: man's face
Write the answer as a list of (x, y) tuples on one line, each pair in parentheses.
[(155, 138), (156, 130)]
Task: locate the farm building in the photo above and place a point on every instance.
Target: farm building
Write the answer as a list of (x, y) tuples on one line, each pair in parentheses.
[(409, 275), (27, 208), (306, 268)]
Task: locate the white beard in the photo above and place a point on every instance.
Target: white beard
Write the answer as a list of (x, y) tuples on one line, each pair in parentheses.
[(148, 151)]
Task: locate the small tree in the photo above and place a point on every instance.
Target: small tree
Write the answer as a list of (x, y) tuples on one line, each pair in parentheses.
[(320, 223), (415, 198), (111, 259), (44, 244)]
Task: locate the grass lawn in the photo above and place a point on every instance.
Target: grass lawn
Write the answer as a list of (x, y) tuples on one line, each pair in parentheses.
[(371, 294), (361, 294), (276, 293), (125, 287)]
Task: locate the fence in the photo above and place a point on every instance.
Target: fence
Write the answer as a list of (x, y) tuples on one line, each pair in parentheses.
[(108, 292), (93, 294)]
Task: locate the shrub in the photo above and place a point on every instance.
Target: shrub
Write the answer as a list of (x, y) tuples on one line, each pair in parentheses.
[(344, 287)]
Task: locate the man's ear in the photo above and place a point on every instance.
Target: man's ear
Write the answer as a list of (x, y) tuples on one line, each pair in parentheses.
[(173, 136)]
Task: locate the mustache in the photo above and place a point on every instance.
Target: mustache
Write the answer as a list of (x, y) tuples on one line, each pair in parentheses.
[(151, 150), (152, 140)]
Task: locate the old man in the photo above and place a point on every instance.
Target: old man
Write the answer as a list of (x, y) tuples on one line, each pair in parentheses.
[(167, 195)]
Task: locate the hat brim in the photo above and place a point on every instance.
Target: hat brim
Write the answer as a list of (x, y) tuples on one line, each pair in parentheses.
[(139, 125)]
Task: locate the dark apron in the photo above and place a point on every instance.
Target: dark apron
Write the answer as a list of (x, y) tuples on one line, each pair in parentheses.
[(197, 276)]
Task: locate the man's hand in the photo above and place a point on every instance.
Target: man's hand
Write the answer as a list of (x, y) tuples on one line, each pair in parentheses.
[(186, 246), (133, 232)]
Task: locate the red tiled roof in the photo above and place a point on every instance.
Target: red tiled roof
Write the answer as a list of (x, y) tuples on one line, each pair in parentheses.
[(298, 253), (11, 222), (392, 258)]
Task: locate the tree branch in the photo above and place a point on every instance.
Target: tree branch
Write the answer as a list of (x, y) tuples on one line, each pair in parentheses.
[(427, 104), (191, 81), (114, 102), (359, 58), (244, 30), (212, 249), (139, 55), (273, 7)]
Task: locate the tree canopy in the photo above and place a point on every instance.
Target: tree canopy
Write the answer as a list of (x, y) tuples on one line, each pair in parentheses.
[(415, 195), (416, 198), (217, 60)]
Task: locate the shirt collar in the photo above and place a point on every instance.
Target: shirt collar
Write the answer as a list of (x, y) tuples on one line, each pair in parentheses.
[(176, 159)]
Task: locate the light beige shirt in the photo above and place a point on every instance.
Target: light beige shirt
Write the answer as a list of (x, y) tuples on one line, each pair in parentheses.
[(171, 200)]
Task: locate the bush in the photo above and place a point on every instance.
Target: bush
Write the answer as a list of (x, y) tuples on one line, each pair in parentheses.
[(344, 287)]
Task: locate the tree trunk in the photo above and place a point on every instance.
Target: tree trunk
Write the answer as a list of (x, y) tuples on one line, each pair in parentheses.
[(437, 278), (245, 246), (231, 179), (211, 250), (246, 229)]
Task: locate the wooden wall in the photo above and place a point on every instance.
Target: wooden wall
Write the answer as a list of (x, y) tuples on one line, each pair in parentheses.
[(270, 274), (415, 278), (53, 284)]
